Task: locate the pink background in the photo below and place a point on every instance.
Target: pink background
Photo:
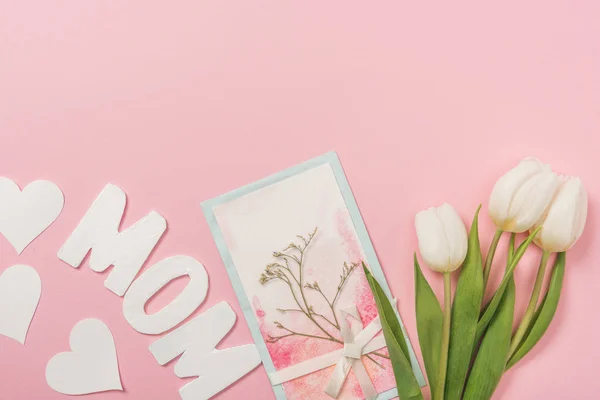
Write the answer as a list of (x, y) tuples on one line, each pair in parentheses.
[(179, 103)]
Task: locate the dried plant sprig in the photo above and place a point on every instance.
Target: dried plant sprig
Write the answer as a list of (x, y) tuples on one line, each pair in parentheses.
[(346, 271), (290, 269), (273, 339)]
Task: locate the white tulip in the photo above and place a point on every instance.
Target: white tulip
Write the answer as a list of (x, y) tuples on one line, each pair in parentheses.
[(564, 222), (522, 195), (442, 238)]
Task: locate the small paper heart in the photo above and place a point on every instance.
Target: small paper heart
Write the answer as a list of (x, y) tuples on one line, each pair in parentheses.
[(92, 364), (25, 214), (20, 290)]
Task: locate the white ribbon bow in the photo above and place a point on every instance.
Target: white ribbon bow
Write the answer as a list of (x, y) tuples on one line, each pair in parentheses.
[(355, 339), (357, 342)]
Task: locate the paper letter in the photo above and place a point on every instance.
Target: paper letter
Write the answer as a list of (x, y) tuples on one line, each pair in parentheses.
[(99, 231), (154, 279), (215, 369)]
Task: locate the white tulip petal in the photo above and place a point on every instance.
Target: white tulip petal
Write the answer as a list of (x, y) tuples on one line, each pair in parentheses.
[(531, 201), (581, 213), (456, 233), (556, 232), (433, 243), (565, 219), (508, 184)]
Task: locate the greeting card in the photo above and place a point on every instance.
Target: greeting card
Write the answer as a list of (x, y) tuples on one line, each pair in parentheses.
[(293, 245)]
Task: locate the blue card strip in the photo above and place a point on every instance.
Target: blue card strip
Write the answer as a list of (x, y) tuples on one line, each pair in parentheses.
[(333, 160)]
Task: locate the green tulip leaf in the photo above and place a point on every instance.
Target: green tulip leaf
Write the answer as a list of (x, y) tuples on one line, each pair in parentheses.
[(406, 382), (545, 312), (465, 315), (493, 352), (491, 308), (429, 325)]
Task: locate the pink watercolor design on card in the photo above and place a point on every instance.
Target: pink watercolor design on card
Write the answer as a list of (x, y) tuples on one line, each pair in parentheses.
[(304, 330), (348, 236), (299, 259)]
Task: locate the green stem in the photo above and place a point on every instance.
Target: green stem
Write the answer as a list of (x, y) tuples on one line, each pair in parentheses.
[(487, 267), (439, 391), (511, 251), (537, 288)]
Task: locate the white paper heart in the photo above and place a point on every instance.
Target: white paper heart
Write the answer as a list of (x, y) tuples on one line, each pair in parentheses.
[(92, 365), (20, 290), (25, 214)]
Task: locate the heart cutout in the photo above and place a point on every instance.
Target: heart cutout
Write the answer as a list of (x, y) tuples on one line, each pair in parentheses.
[(25, 214), (20, 290), (92, 364)]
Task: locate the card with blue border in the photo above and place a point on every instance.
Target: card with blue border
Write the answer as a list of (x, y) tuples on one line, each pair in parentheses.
[(293, 244)]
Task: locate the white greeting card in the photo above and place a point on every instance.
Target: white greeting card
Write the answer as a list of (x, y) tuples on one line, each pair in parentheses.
[(294, 245)]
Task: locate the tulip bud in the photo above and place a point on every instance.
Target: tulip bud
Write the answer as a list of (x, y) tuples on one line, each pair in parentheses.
[(522, 195), (442, 238), (564, 222)]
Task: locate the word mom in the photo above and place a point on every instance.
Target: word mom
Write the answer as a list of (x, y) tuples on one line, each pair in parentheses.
[(127, 252)]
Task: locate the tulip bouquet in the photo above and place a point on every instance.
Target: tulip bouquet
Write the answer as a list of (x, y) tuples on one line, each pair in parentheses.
[(466, 345)]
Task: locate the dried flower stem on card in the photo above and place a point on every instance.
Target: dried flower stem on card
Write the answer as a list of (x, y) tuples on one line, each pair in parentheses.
[(290, 269)]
